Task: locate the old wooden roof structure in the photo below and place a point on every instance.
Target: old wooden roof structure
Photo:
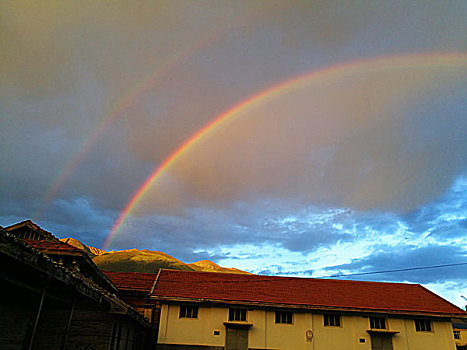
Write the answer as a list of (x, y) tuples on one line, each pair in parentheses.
[(51, 246)]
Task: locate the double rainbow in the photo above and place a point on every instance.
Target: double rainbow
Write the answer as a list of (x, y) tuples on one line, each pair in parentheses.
[(427, 60)]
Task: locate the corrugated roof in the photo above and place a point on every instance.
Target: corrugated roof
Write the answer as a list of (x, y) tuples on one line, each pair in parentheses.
[(136, 281), (302, 292)]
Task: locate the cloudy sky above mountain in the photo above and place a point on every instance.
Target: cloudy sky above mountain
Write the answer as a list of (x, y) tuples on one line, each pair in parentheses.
[(343, 148)]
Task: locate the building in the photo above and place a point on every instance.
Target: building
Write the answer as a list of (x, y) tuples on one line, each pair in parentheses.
[(53, 297), (72, 258), (460, 333), (206, 310), (135, 289)]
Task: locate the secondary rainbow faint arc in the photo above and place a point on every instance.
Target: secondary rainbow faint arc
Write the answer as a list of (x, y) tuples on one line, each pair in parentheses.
[(365, 65), (130, 98)]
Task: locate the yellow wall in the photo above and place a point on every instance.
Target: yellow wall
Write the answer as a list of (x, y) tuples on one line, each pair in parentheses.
[(200, 331), (266, 334), (463, 337)]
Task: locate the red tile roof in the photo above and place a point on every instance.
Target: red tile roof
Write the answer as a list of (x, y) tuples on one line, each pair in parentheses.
[(137, 281), (54, 247), (302, 292)]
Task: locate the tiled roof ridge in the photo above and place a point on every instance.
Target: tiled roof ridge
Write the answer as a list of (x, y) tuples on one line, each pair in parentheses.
[(130, 272), (59, 243), (132, 281), (441, 298), (253, 276)]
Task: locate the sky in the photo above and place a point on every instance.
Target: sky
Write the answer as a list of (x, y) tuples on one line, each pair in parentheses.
[(291, 138)]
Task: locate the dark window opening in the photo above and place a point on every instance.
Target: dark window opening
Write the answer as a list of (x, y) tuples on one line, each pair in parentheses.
[(188, 311), (237, 315), (422, 325), (284, 317), (377, 323), (332, 320)]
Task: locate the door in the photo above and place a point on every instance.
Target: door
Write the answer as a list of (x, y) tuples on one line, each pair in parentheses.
[(381, 342), (236, 339)]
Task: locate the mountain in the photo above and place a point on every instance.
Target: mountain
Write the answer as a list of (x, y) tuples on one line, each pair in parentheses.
[(135, 260), (209, 266), (91, 251)]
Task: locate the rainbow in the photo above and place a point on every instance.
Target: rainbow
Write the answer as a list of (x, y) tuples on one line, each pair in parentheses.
[(132, 96), (321, 75)]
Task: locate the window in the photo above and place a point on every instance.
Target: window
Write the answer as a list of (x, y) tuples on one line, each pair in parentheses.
[(377, 323), (148, 314), (187, 311), (457, 334), (283, 317), (332, 320), (237, 315), (422, 325)]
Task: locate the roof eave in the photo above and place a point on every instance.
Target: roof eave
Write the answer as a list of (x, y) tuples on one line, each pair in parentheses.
[(426, 313)]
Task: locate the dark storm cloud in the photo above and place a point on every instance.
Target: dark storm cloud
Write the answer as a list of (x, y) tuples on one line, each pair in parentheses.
[(66, 65), (404, 257)]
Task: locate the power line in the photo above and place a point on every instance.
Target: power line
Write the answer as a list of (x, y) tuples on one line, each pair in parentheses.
[(398, 270), (245, 278)]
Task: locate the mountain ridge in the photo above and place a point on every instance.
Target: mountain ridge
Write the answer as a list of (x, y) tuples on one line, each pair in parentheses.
[(144, 260)]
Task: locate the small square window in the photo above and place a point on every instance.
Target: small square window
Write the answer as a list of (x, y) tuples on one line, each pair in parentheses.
[(377, 323), (457, 334), (422, 325), (237, 315), (188, 311), (331, 320), (284, 317)]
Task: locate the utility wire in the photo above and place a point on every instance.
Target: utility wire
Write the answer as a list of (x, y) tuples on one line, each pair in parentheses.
[(238, 277), (399, 270)]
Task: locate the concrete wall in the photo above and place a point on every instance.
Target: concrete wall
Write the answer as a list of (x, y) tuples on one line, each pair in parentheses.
[(266, 334)]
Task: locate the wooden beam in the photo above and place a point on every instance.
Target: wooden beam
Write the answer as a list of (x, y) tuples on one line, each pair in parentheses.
[(38, 315), (68, 324)]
